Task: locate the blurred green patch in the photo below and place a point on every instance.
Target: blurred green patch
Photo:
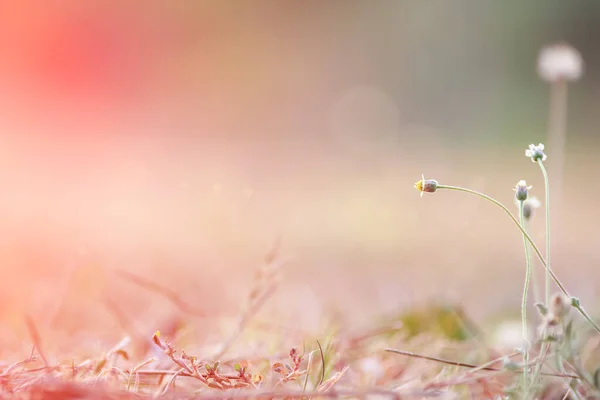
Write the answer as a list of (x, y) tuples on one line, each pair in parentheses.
[(446, 321)]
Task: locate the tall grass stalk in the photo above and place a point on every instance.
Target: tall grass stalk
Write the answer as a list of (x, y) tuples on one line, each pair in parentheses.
[(547, 207), (534, 277)]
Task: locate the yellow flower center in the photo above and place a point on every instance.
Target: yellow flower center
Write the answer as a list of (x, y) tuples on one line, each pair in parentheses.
[(419, 186)]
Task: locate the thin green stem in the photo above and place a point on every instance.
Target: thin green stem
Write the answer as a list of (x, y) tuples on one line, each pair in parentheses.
[(524, 304), (534, 278), (533, 245), (507, 211), (547, 185)]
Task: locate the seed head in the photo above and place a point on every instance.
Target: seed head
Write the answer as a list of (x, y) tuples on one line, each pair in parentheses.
[(426, 185), (560, 61), (536, 152), (575, 302), (559, 305), (528, 206), (521, 190)]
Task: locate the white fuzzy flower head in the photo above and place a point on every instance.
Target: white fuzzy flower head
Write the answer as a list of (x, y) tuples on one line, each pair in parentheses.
[(536, 153), (560, 62), (528, 206), (560, 305), (521, 190)]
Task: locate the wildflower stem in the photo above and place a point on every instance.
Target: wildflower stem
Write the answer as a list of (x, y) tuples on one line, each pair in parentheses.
[(507, 211), (541, 360), (533, 245), (524, 304), (534, 277), (547, 185)]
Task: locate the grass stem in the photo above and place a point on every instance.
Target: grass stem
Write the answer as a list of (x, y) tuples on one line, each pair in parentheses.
[(524, 303), (547, 206)]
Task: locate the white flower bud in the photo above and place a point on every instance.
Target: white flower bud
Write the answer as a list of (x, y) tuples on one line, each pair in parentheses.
[(560, 62)]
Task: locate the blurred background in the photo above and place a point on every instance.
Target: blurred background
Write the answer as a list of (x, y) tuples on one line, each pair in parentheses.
[(176, 140)]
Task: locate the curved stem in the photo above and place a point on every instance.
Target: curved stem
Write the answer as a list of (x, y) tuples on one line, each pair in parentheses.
[(507, 211), (533, 245), (546, 184)]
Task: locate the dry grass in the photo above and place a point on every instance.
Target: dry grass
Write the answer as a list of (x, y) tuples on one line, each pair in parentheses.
[(397, 357), (230, 332)]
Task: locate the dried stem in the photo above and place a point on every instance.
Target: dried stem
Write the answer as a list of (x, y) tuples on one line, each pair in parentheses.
[(466, 365), (35, 338)]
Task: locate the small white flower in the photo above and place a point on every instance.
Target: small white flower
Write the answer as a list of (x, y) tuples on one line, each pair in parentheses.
[(536, 152), (528, 206), (560, 62), (521, 190)]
